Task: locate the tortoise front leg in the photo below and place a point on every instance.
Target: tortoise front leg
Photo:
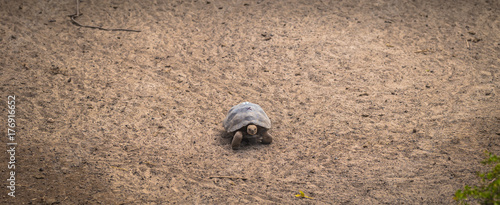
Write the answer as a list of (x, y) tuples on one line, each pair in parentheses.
[(238, 136), (266, 138)]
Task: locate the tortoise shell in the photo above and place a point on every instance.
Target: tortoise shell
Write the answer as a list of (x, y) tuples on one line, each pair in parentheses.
[(244, 114)]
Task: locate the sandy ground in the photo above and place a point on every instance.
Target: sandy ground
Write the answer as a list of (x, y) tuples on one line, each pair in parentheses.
[(372, 102)]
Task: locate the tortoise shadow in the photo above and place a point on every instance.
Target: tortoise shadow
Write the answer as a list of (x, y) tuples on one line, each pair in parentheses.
[(225, 139)]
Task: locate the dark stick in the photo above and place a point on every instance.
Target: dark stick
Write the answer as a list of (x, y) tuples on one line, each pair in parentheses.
[(94, 27)]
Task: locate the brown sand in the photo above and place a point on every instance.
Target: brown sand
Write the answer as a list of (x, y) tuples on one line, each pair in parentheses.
[(372, 102)]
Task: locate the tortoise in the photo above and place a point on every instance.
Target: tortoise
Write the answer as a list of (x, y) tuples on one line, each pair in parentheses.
[(247, 120)]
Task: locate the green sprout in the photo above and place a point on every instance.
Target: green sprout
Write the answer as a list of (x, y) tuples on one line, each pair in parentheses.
[(489, 190), (302, 195)]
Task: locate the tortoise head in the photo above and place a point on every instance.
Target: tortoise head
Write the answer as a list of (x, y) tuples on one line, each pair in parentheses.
[(252, 129)]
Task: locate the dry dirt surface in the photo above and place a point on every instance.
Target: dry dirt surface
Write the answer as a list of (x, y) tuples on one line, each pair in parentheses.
[(372, 102)]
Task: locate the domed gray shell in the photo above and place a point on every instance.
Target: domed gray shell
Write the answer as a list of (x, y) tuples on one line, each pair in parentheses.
[(243, 114)]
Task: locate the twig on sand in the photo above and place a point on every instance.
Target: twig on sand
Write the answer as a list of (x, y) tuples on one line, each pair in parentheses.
[(73, 17), (229, 177), (120, 168), (424, 51)]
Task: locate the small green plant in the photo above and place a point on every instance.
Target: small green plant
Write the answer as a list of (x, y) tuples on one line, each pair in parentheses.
[(489, 190), (302, 195)]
